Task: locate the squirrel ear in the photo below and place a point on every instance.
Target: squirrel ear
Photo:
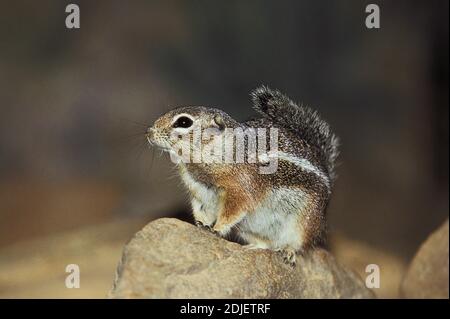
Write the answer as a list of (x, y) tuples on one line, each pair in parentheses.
[(219, 121)]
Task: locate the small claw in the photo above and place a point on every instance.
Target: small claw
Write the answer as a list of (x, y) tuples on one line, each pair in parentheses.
[(221, 230), (215, 232), (203, 226), (199, 223)]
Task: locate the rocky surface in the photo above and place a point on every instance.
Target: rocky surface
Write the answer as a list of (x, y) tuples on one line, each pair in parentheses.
[(173, 259), (427, 276)]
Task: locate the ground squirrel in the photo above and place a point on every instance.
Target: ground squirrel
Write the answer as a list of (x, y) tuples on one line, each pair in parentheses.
[(283, 210)]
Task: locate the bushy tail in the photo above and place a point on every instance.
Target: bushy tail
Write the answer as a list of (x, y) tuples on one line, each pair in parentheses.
[(301, 120)]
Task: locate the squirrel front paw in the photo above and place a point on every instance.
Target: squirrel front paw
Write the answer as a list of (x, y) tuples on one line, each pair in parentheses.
[(221, 229), (202, 225), (208, 228)]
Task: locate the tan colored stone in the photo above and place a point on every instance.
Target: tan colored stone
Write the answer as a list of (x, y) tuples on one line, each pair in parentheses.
[(427, 276), (173, 259)]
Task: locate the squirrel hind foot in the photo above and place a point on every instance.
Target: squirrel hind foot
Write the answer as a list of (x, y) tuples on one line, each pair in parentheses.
[(289, 256)]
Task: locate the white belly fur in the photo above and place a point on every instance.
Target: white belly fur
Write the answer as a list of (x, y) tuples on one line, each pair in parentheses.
[(276, 220), (205, 203)]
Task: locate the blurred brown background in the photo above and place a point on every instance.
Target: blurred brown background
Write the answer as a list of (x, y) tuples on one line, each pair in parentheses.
[(76, 179)]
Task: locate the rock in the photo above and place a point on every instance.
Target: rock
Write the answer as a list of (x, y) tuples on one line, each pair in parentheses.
[(357, 254), (173, 259), (427, 276)]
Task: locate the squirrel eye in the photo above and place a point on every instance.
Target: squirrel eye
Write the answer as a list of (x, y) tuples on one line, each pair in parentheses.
[(183, 121)]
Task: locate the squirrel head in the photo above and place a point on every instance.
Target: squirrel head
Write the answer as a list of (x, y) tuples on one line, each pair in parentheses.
[(171, 127)]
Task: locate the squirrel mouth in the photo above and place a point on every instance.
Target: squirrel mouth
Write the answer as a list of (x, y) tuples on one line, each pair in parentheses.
[(153, 142)]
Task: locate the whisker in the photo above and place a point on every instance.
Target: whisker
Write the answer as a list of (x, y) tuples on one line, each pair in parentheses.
[(126, 147), (153, 158), (141, 149), (127, 137), (135, 122), (148, 146)]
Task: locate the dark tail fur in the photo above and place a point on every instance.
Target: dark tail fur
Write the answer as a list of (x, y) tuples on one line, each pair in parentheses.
[(301, 120)]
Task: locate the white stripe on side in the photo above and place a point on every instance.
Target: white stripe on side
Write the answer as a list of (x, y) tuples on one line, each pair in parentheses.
[(305, 165)]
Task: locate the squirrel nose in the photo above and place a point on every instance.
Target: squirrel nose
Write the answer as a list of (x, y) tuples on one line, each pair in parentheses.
[(149, 133)]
